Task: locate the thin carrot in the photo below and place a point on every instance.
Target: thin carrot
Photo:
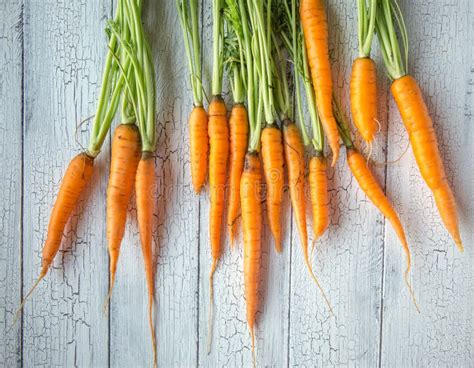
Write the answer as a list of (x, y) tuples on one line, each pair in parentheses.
[(415, 114), (250, 195), (294, 159), (363, 87), (144, 185), (139, 107), (315, 28), (239, 130), (125, 156), (369, 185), (272, 157), (198, 120)]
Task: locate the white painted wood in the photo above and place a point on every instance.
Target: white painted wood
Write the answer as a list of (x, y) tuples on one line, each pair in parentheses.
[(359, 261), (231, 339), (10, 179), (64, 53), (349, 257), (441, 39), (177, 222)]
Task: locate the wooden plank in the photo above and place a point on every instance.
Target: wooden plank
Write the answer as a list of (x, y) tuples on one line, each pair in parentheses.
[(231, 340), (64, 53), (176, 236), (11, 28), (349, 256), (441, 53)]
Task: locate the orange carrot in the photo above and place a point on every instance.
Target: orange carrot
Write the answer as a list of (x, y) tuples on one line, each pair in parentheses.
[(76, 177), (144, 186), (126, 148), (199, 146), (219, 152), (294, 159), (371, 188), (419, 125), (319, 194), (250, 196), (315, 28), (272, 156), (239, 130), (363, 92)]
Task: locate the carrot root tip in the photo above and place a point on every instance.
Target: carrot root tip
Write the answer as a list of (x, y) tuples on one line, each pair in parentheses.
[(211, 305)]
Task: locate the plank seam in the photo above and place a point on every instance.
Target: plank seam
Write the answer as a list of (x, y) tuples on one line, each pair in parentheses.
[(21, 25)]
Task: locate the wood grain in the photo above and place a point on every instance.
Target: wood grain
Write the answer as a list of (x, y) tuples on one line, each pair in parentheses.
[(11, 28), (63, 322)]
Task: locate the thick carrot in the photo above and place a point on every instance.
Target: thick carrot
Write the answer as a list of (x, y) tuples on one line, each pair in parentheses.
[(319, 194), (250, 196), (144, 187), (76, 177), (294, 159), (419, 125), (369, 185), (272, 156), (239, 131), (126, 148), (315, 28), (363, 93), (199, 146)]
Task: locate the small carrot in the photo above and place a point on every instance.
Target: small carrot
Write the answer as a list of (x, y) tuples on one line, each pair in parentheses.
[(415, 114), (198, 120), (369, 185), (272, 156), (239, 129), (315, 28), (250, 196), (125, 156), (363, 87), (199, 146)]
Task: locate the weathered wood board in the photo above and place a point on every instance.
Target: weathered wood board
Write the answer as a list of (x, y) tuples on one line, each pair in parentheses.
[(51, 58)]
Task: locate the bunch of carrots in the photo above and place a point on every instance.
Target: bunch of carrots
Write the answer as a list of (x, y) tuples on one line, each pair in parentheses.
[(257, 44), (254, 43)]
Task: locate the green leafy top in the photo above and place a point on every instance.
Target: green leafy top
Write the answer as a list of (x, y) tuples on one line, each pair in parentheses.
[(366, 15)]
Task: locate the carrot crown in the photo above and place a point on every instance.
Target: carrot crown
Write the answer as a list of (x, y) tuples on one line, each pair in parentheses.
[(366, 16), (188, 16), (395, 56)]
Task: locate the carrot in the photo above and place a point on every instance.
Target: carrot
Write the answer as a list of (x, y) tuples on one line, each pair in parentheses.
[(363, 95), (415, 114), (239, 130), (272, 156), (363, 87), (123, 167), (76, 177), (371, 188), (198, 138), (420, 129), (144, 186), (319, 194), (199, 146), (250, 196), (315, 28), (294, 159)]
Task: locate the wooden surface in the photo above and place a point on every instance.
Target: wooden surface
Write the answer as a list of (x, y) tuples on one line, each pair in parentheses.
[(51, 56)]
